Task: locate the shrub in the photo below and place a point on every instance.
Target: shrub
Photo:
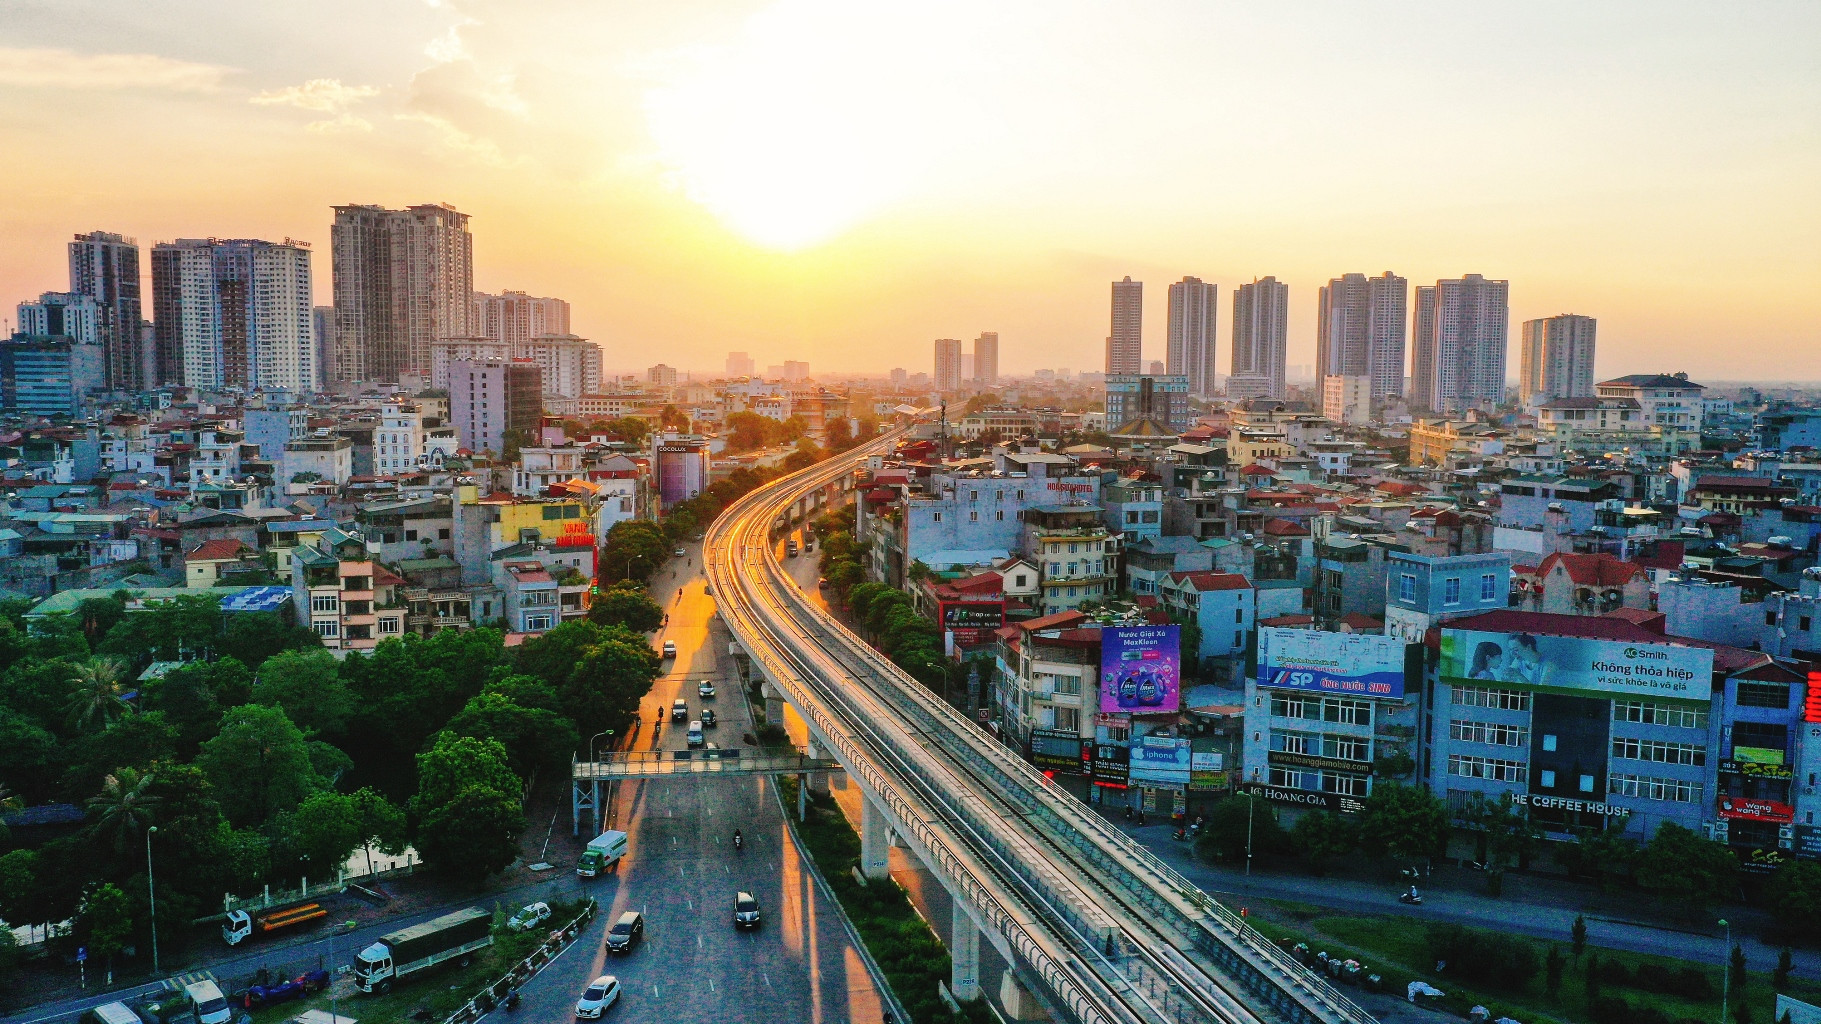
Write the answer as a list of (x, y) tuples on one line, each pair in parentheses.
[(1497, 961)]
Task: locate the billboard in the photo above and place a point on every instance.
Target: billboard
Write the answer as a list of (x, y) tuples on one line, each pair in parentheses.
[(1162, 759), (1344, 664), (1739, 808), (974, 622), (1609, 668), (1057, 751), (1140, 669)]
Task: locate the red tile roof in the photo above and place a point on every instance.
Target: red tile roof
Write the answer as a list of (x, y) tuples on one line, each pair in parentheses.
[(1288, 620), (1256, 470), (1203, 580), (222, 550), (1279, 527), (1055, 620), (1598, 570), (1360, 622)]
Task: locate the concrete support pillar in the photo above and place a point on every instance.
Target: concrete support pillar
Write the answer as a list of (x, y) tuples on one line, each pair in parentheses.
[(964, 955), (1016, 999), (803, 796), (774, 705), (818, 781), (875, 841)]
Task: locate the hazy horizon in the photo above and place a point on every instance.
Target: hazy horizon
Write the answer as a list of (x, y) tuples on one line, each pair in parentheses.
[(806, 179)]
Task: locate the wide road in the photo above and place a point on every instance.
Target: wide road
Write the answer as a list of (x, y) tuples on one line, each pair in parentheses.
[(682, 872)]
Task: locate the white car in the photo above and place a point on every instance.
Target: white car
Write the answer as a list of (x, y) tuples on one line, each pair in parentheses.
[(529, 917), (706, 689), (679, 551), (602, 992), (670, 648)]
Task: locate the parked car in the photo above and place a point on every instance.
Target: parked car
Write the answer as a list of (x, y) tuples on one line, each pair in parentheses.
[(601, 993), (745, 910), (708, 718), (529, 917), (705, 690), (626, 932)]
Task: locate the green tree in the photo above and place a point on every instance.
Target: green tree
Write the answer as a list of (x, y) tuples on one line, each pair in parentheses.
[(633, 549), (456, 762), (533, 737), (1553, 966), (325, 830), (840, 434), (1402, 822), (552, 656), (1794, 897), (259, 764), (473, 834), (107, 919), (1786, 965), (382, 825), (184, 628), (308, 686), (604, 689), (29, 756), (1320, 836), (1685, 870), (134, 741), (186, 697), (25, 896), (1606, 854), (252, 637), (747, 430), (628, 606), (1237, 821), (123, 809), (1578, 935), (1502, 831), (96, 697)]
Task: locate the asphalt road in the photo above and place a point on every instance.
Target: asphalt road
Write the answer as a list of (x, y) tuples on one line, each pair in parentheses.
[(681, 871)]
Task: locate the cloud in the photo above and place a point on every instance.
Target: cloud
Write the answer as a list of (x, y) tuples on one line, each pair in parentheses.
[(327, 95), (52, 68), (343, 123)]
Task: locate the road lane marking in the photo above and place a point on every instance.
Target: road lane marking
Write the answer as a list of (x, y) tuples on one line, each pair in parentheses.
[(699, 941), (766, 977), (711, 984)]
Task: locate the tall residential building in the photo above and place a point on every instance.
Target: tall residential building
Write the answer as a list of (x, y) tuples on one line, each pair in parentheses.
[(50, 376), (399, 439), (445, 353), (1359, 331), (403, 279), (105, 267), (516, 317), (571, 365), (322, 329), (1556, 360), (795, 370), (739, 364), (489, 399), (1125, 346), (948, 364), (62, 315), (662, 376), (235, 313), (986, 358), (1261, 325), (1193, 328), (1460, 331)]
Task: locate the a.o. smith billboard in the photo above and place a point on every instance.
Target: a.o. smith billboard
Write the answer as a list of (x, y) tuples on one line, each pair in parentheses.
[(1609, 668)]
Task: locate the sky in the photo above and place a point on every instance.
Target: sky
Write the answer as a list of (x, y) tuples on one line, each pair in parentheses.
[(844, 181)]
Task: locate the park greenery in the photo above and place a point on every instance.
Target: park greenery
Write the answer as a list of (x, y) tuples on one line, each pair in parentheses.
[(262, 759)]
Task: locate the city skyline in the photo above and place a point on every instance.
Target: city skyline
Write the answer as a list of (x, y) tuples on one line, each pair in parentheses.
[(657, 245)]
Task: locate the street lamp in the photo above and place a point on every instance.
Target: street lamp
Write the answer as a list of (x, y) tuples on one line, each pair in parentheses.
[(596, 736), (1251, 805), (151, 895), (1726, 973)]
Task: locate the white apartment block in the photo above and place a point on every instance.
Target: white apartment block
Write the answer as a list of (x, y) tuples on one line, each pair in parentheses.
[(1668, 400), (1556, 358), (62, 314), (1193, 328), (1461, 328), (236, 312), (1347, 399), (398, 441), (948, 364), (403, 279), (1360, 329), (571, 365), (1261, 325), (662, 376), (445, 352), (516, 317)]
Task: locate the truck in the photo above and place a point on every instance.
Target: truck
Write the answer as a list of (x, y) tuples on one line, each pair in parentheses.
[(211, 1005), (411, 951), (603, 852), (241, 924)]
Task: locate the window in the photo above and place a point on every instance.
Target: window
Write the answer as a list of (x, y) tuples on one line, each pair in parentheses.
[(1662, 751), (1482, 697), (1548, 775), (1489, 587), (1803, 624), (1763, 695), (1549, 742), (1680, 791), (1406, 587), (1586, 783), (324, 602), (388, 625), (1495, 769), (327, 628), (1659, 714), (1000, 515), (935, 517), (1770, 618), (1068, 719), (1495, 733), (537, 623), (1451, 590), (973, 517)]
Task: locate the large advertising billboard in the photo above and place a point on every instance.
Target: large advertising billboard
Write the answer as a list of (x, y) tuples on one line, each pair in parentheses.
[(1344, 664), (1610, 668), (1140, 669), (1161, 759)]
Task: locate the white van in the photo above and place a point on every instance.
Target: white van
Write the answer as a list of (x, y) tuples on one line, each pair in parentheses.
[(695, 734), (211, 1006)]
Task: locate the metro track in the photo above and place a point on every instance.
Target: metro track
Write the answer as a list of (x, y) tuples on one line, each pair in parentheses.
[(1110, 933)]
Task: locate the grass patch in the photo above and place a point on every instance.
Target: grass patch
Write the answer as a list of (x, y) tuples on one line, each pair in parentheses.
[(1398, 949), (913, 960), (440, 991)]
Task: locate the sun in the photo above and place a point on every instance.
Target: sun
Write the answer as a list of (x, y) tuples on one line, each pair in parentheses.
[(807, 125)]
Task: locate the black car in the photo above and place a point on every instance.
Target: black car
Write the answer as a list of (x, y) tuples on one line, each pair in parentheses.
[(745, 911), (708, 718), (626, 932)]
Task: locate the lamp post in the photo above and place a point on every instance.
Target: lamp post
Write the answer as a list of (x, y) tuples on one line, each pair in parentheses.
[(596, 736), (151, 895), (1726, 974), (1252, 805)]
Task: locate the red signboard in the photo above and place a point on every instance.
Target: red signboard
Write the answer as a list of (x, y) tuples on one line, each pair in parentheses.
[(1740, 808), (1811, 707)]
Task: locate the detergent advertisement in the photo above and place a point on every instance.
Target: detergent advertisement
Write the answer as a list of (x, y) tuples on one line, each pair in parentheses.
[(1140, 670)]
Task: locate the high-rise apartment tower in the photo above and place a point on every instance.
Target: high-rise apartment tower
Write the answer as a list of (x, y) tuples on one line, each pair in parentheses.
[(235, 313), (1556, 360), (403, 279), (516, 317), (1360, 327), (1261, 324), (1193, 327), (105, 267), (1125, 345), (986, 358), (1459, 335), (948, 364)]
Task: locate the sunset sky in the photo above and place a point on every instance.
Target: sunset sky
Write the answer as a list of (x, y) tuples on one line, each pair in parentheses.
[(843, 182)]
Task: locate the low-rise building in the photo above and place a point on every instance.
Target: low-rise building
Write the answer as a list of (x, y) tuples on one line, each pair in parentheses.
[(1223, 605), (344, 594), (1075, 553), (1423, 591)]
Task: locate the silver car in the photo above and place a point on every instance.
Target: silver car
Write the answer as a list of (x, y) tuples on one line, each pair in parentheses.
[(601, 993)]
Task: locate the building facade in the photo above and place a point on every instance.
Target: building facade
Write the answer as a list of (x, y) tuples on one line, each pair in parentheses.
[(1261, 325), (488, 400), (986, 359), (948, 365), (571, 365), (42, 376), (1163, 399), (1360, 328), (402, 280), (1460, 334), (236, 313), (105, 267), (1423, 591), (1192, 332), (1556, 360), (1125, 342), (516, 317)]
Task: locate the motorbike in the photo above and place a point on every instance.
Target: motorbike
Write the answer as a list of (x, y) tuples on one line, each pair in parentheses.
[(1412, 897), (739, 841), (512, 1000), (1180, 834)]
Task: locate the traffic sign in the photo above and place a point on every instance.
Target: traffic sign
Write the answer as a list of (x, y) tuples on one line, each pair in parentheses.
[(82, 954)]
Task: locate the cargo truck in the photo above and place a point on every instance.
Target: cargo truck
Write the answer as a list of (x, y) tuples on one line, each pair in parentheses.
[(241, 925), (604, 851), (410, 951)]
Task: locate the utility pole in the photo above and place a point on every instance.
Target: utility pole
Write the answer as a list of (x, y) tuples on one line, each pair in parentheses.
[(1251, 806), (1726, 973), (151, 896)]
